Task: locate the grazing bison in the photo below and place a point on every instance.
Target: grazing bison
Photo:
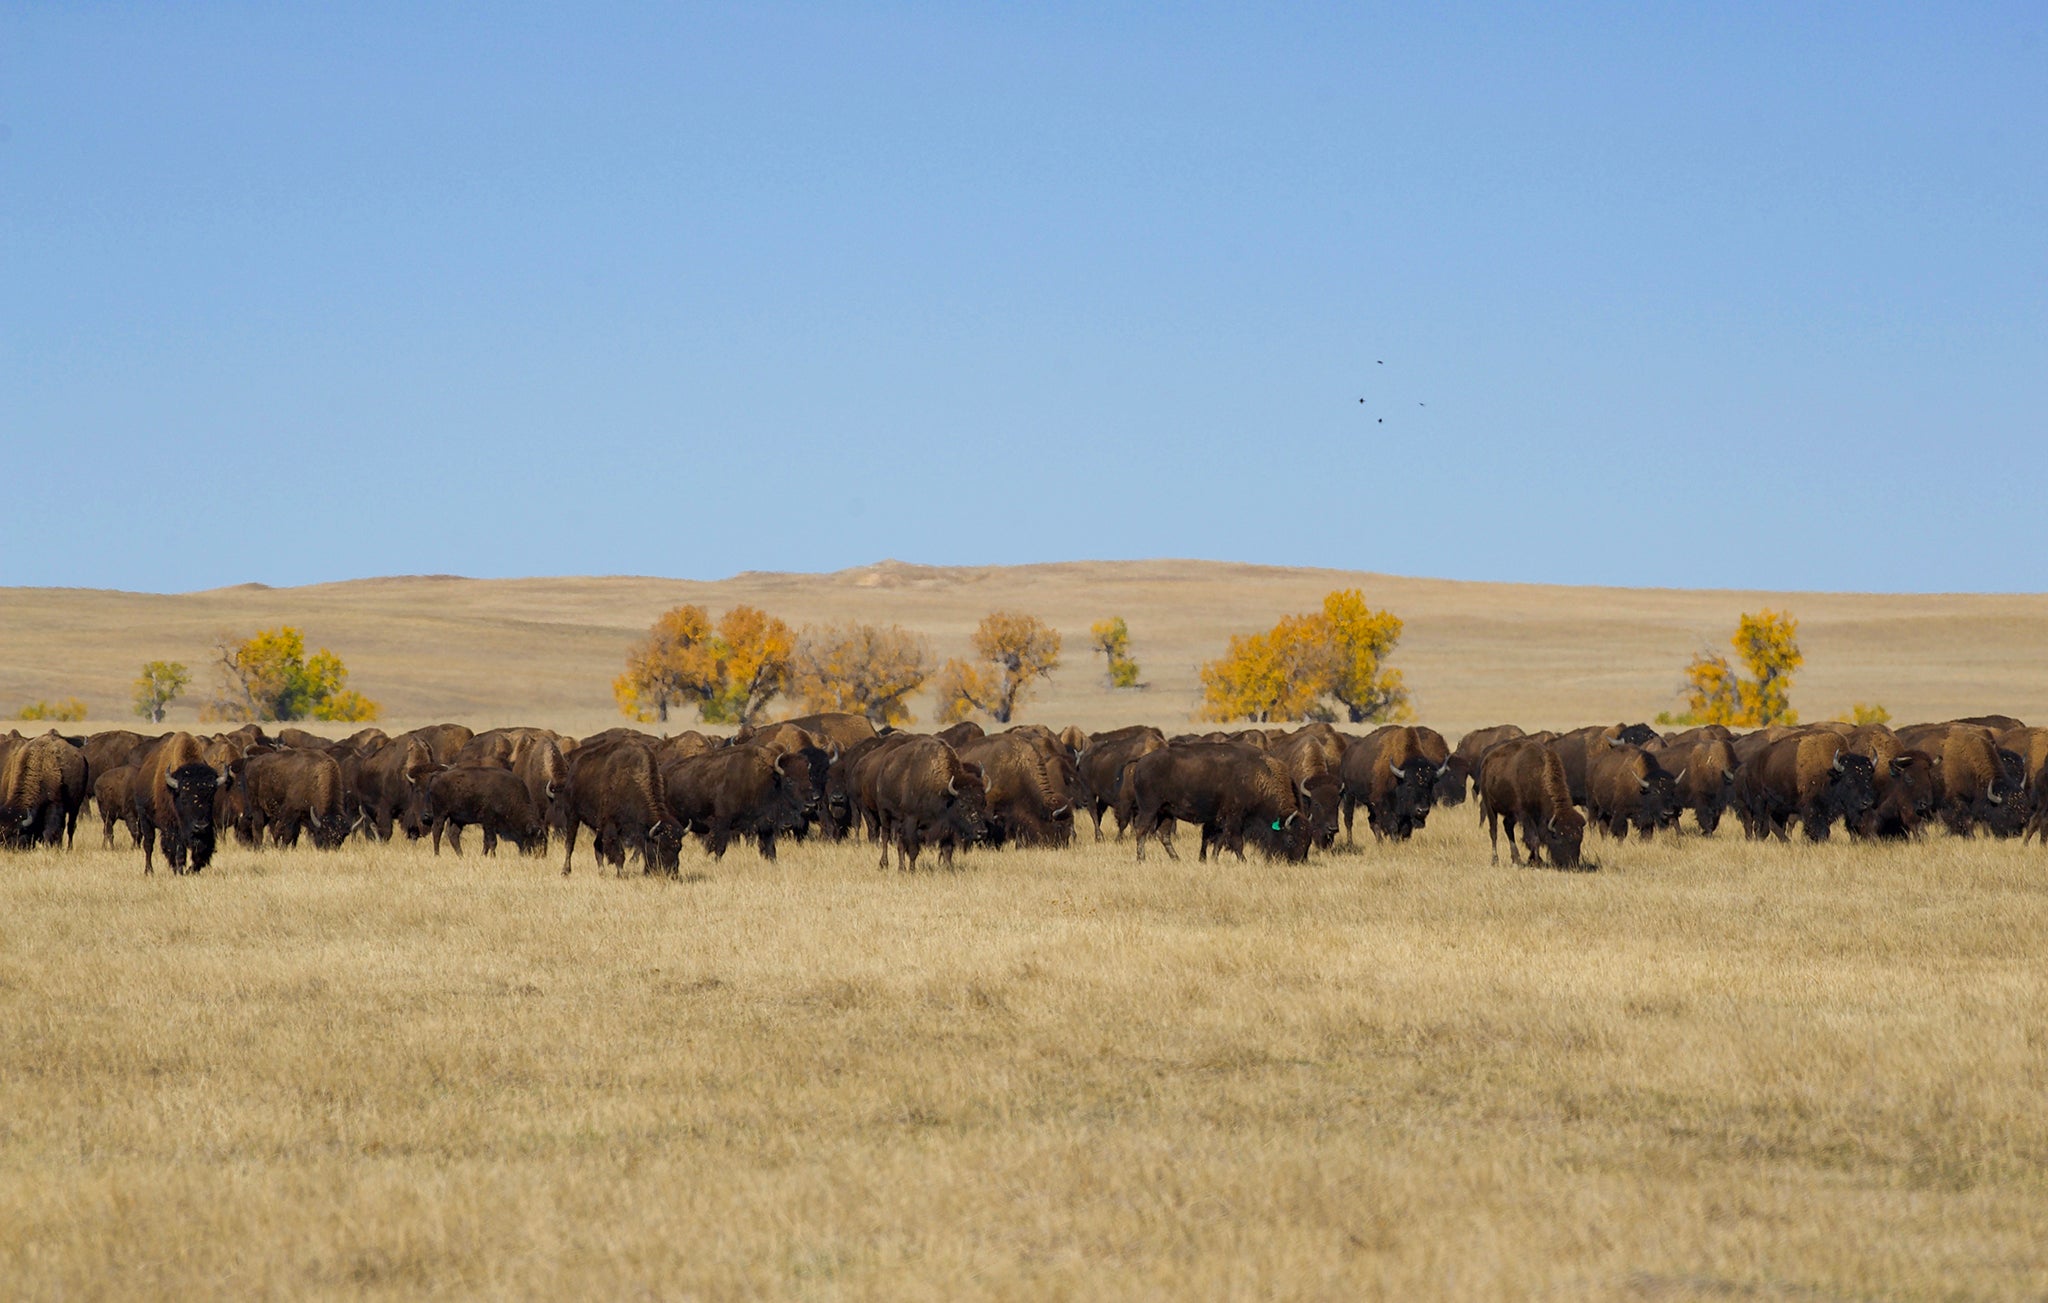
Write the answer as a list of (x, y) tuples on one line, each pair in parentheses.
[(1813, 777), (289, 792), (1027, 801), (173, 797), (615, 790), (42, 786), (742, 791), (1521, 781), (537, 762), (923, 793), (1625, 785), (1389, 772), (486, 796), (1233, 792), (1908, 797), (1101, 765)]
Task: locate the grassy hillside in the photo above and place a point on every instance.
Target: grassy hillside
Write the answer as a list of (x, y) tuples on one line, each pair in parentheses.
[(544, 651)]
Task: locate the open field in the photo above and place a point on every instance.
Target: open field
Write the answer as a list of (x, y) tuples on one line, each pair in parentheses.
[(1710, 1070), (544, 651)]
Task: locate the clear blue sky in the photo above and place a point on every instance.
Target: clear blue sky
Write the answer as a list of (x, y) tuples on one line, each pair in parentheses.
[(1695, 295)]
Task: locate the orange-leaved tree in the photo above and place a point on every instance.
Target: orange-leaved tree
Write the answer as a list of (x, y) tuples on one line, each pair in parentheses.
[(268, 676), (863, 669), (1010, 651), (1768, 644), (1311, 666), (730, 671)]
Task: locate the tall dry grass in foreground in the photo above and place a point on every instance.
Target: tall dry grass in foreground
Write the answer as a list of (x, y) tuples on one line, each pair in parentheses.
[(1710, 1070)]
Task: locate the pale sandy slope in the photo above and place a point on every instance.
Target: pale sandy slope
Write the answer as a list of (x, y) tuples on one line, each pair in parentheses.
[(545, 650)]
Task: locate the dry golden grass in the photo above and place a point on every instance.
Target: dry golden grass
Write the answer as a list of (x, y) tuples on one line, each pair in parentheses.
[(1710, 1070), (544, 651)]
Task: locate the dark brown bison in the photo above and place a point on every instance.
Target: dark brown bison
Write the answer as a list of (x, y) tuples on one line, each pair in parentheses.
[(742, 791), (1234, 793), (537, 761), (964, 731), (1388, 771), (386, 781), (1575, 748), (1703, 772), (1521, 781), (1908, 797), (1465, 757), (1972, 782), (114, 795), (109, 750), (1027, 802), (615, 790), (924, 794), (289, 792), (1814, 777), (1625, 785), (844, 730), (173, 798), (486, 796), (1101, 765), (42, 787)]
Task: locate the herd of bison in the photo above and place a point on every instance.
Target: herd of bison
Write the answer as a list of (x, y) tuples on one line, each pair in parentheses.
[(1282, 792)]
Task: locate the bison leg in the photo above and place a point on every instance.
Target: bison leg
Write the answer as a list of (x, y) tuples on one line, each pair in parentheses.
[(1507, 818), (1492, 818), (765, 843), (569, 844), (490, 840), (108, 818), (148, 845)]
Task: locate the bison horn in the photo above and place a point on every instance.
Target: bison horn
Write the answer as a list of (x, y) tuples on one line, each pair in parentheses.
[(953, 786), (1839, 763), (1643, 784), (1551, 823), (1679, 777), (1395, 770), (1292, 817), (1443, 769), (171, 781)]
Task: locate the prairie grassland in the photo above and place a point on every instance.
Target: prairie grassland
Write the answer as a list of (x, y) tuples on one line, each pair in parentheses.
[(1711, 1069), (544, 651)]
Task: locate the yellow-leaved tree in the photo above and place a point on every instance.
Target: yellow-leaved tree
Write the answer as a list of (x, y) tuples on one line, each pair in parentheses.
[(1010, 651), (730, 671), (863, 669), (1311, 666), (268, 676), (1768, 644), (1112, 637)]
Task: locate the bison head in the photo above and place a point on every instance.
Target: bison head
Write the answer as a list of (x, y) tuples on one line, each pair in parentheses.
[(193, 788), (1562, 837)]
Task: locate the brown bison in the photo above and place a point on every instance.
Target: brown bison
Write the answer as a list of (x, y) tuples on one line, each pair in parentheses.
[(741, 791), (1389, 772), (1027, 801), (1575, 749), (289, 792), (42, 787), (1908, 797), (616, 791), (114, 795), (537, 762), (1521, 781), (386, 782), (1101, 765), (1233, 792), (923, 793), (486, 796), (1972, 781), (173, 797), (1704, 774), (842, 729), (1813, 777), (1625, 785)]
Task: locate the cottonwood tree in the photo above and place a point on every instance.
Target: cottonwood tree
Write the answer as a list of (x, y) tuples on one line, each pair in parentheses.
[(1112, 637), (1309, 667), (863, 669), (158, 686), (1768, 644), (730, 671), (1011, 652), (268, 676)]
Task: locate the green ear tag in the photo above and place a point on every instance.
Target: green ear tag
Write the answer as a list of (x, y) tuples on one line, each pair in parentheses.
[(1276, 825)]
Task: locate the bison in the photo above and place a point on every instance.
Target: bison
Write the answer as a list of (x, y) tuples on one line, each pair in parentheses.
[(924, 793), (1625, 785), (615, 790), (1389, 772), (289, 792), (173, 798), (1522, 781), (42, 786), (741, 791), (1101, 765), (1816, 778), (1027, 800), (1233, 792), (486, 796)]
